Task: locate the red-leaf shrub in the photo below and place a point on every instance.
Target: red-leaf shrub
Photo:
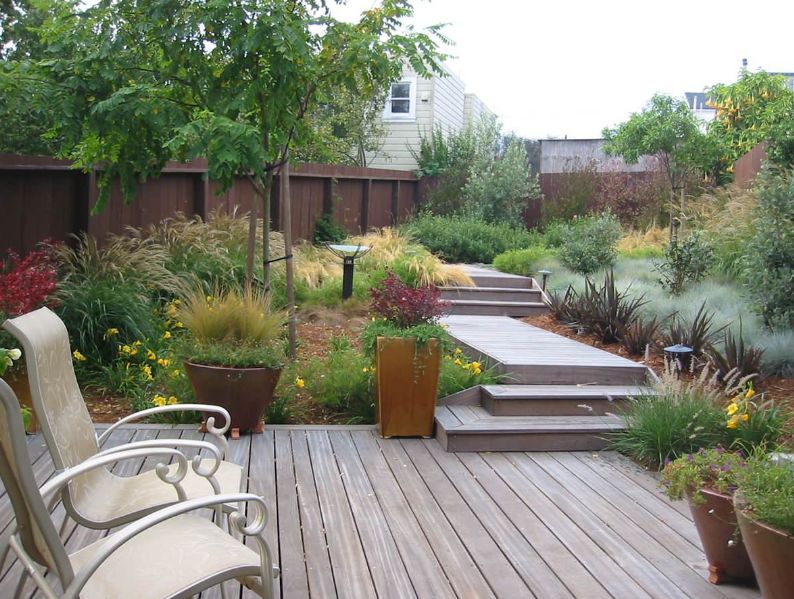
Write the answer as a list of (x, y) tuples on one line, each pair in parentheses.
[(405, 306), (26, 283)]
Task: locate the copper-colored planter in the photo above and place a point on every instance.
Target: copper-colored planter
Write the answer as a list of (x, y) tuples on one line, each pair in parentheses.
[(772, 553), (716, 524), (407, 386), (244, 392)]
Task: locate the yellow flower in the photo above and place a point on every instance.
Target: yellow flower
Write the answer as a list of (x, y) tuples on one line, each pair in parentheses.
[(365, 369), (164, 362), (733, 422), (147, 372), (111, 332), (458, 351), (745, 417), (133, 352), (150, 355), (178, 325), (210, 299), (78, 356), (172, 400), (125, 349), (299, 382), (137, 343), (167, 335), (732, 409), (176, 373), (457, 362), (475, 365), (159, 400), (750, 393), (477, 371)]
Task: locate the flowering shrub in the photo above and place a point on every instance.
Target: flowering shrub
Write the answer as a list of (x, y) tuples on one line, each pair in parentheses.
[(713, 469), (753, 422), (405, 306), (7, 357), (27, 283)]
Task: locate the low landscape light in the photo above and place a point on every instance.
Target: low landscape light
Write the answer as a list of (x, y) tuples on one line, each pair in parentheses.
[(349, 255)]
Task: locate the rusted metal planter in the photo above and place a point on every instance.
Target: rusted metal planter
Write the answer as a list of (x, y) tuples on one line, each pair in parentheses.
[(244, 392), (716, 524), (772, 554), (407, 386)]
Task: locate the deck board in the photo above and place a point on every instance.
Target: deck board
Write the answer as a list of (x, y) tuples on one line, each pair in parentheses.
[(353, 515)]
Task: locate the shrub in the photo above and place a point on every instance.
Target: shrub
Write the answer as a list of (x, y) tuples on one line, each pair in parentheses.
[(589, 243), (734, 356), (676, 422), (466, 238), (405, 306), (567, 307), (459, 372), (767, 489), (685, 261), (713, 469), (770, 253), (752, 423), (27, 283), (327, 230), (522, 262), (605, 311), (696, 333), (641, 333)]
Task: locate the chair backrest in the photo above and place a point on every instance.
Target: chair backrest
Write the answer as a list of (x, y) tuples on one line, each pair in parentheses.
[(59, 404), (33, 524)]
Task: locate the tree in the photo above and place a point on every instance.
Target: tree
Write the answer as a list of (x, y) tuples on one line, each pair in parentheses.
[(136, 83), (668, 130), (749, 111)]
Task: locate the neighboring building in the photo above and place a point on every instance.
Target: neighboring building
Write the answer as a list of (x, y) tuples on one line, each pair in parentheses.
[(699, 104), (559, 156), (414, 107)]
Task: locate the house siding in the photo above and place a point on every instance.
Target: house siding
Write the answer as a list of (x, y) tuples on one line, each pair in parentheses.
[(473, 109)]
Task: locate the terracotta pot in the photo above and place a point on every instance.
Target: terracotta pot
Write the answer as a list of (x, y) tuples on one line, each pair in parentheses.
[(17, 379), (244, 392), (407, 386), (716, 524), (772, 553)]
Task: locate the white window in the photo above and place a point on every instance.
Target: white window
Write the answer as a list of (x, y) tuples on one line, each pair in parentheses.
[(401, 103)]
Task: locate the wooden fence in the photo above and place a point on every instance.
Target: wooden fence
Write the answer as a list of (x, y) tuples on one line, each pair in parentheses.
[(748, 166), (42, 198)]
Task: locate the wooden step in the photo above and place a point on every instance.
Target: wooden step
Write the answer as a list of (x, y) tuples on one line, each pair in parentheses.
[(472, 428), (496, 308), (490, 294), (557, 400), (500, 279)]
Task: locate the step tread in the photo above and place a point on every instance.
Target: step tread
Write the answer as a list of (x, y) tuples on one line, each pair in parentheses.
[(462, 302), (522, 290), (476, 420), (509, 392)]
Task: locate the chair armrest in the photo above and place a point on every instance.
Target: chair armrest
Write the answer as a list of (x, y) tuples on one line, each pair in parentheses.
[(62, 478), (236, 520), (196, 461), (217, 432)]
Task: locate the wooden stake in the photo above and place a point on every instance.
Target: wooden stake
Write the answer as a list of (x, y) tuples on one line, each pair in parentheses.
[(286, 214)]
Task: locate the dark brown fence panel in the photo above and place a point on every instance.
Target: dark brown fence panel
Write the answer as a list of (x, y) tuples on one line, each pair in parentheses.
[(308, 201), (235, 200), (346, 210), (748, 166), (406, 201), (37, 205), (380, 204)]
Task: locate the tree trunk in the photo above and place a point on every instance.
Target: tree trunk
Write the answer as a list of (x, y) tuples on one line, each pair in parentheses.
[(286, 213), (268, 185), (251, 249)]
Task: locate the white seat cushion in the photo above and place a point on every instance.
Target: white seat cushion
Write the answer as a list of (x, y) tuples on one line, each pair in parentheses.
[(118, 496), (166, 560)]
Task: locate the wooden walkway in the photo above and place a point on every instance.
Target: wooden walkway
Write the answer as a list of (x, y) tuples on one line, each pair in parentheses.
[(531, 355), (354, 515)]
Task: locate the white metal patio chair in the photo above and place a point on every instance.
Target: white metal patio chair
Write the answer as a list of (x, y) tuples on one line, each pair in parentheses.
[(98, 498), (167, 553)]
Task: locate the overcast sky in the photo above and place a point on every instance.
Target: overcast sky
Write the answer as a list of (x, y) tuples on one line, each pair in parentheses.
[(553, 68)]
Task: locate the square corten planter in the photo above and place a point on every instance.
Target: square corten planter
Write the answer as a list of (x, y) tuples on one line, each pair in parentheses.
[(407, 378)]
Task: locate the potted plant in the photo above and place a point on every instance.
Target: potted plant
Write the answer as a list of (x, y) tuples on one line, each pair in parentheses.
[(764, 505), (233, 353), (707, 479), (407, 342)]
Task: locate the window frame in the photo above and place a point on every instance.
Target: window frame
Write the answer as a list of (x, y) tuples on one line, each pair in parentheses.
[(388, 115)]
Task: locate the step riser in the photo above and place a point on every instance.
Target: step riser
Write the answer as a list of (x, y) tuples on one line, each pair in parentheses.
[(492, 295), (552, 407), (497, 281), (572, 375), (522, 442), (505, 310)]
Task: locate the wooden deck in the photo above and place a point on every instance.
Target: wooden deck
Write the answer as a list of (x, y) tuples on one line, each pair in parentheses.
[(354, 515), (531, 355)]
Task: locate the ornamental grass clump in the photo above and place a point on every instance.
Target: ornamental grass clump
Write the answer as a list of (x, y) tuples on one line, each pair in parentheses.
[(232, 328), (399, 310), (766, 490)]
